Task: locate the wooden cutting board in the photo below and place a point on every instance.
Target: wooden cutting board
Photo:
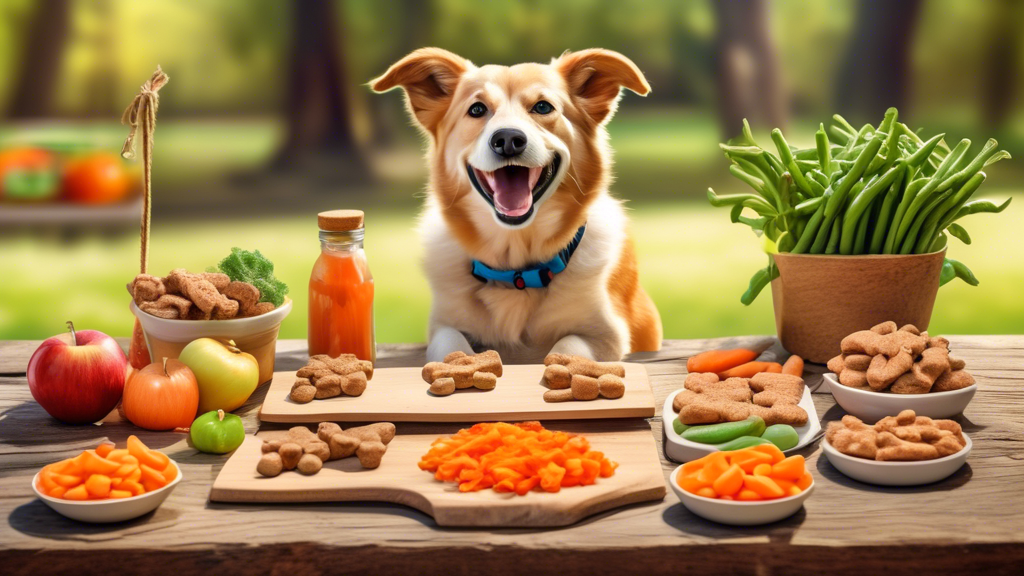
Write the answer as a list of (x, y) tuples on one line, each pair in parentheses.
[(400, 395), (398, 480)]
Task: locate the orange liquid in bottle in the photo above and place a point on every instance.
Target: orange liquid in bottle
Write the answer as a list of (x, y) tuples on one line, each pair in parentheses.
[(341, 306)]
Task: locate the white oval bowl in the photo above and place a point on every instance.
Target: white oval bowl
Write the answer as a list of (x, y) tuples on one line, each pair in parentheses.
[(737, 513), (110, 510), (872, 406), (889, 473)]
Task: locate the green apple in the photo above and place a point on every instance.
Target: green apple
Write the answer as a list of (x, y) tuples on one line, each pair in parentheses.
[(226, 375), (217, 433)]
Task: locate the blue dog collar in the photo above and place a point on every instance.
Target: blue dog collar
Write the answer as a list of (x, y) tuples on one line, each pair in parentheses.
[(537, 276)]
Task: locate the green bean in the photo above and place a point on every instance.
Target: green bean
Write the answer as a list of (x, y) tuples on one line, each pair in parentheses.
[(957, 231), (962, 175), (979, 206), (847, 153), (786, 156), (811, 230), (736, 215), (939, 244), (925, 151), (785, 242), (807, 207), (963, 272), (777, 166), (909, 194), (843, 124), (801, 225), (807, 153), (947, 274), (745, 151), (835, 235), (910, 241), (732, 199), (1001, 155), (861, 202), (851, 179), (948, 209), (887, 127), (760, 279), (824, 151), (752, 181), (826, 227), (819, 177), (770, 178), (884, 220), (903, 226), (862, 234), (747, 135)]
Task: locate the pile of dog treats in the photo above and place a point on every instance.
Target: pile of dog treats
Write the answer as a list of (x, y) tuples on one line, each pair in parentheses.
[(708, 400), (207, 296), (904, 361), (903, 437)]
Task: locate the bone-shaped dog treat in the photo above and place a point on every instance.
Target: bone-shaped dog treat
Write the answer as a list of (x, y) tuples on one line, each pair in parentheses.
[(479, 371), (306, 451), (577, 378), (326, 377)]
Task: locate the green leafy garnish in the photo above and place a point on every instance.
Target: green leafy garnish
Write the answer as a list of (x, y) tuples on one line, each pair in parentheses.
[(256, 269)]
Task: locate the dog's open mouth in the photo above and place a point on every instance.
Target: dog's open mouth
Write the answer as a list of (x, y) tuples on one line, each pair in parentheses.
[(514, 190)]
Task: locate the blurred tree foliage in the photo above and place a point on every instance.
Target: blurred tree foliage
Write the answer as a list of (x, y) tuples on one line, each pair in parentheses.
[(229, 56)]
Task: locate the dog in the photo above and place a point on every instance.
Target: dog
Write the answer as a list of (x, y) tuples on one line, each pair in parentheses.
[(526, 252)]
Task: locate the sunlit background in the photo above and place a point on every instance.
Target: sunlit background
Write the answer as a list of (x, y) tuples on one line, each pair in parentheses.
[(267, 120)]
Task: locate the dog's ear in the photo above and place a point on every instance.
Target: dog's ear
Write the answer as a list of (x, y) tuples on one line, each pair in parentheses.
[(595, 78), (429, 77)]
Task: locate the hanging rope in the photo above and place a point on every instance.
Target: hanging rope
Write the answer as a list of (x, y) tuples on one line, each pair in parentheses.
[(141, 114)]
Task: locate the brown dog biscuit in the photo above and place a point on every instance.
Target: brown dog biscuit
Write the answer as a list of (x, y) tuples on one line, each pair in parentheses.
[(611, 386), (245, 294), (146, 288), (953, 380), (326, 377), (557, 376), (883, 371), (442, 386), (584, 387), (585, 366), (479, 371), (220, 281)]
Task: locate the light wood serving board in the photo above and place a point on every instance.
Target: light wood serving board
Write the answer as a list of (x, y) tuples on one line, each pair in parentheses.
[(398, 480), (400, 395)]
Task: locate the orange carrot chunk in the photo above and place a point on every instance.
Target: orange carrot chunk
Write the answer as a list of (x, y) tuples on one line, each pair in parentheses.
[(750, 369), (719, 360), (794, 366)]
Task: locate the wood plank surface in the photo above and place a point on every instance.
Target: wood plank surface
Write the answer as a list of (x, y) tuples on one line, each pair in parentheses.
[(400, 395), (970, 522), (399, 480)]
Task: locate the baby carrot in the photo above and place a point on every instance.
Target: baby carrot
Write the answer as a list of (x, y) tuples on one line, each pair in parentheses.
[(794, 366), (749, 369), (718, 361)]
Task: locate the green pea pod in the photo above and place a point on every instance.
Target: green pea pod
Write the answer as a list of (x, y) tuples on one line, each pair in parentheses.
[(678, 426), (786, 156), (758, 281), (724, 432), (742, 442), (947, 274), (861, 202), (957, 231)]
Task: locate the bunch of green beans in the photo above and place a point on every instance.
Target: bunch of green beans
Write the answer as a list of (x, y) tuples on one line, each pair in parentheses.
[(874, 190)]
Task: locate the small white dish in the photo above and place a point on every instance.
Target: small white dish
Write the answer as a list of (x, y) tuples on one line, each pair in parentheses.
[(111, 510), (889, 473), (871, 406), (682, 450), (738, 513)]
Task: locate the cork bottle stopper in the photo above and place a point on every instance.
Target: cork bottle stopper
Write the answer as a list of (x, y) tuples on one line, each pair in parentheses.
[(340, 220)]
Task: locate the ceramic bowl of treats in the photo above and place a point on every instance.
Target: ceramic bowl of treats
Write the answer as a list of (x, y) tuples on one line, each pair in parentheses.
[(181, 307), (885, 370), (902, 450)]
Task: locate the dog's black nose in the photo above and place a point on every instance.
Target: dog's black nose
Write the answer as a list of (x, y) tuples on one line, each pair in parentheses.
[(508, 142)]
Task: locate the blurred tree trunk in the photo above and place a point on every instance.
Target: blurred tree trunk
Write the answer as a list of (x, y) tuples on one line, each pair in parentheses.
[(40, 60), (875, 73), (1000, 73), (746, 67), (317, 100), (414, 25)]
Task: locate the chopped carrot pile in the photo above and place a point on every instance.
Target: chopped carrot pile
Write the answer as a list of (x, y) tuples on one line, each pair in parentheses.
[(756, 473), (108, 472), (515, 458)]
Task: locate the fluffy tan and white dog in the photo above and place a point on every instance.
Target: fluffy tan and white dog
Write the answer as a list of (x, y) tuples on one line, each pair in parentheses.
[(519, 173)]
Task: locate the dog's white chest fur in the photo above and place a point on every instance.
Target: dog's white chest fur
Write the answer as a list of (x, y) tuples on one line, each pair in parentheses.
[(523, 325)]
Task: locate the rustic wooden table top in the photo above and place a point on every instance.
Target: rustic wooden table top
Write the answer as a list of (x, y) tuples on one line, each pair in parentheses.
[(970, 522)]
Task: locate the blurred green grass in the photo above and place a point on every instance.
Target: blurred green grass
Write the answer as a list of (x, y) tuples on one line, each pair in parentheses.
[(693, 262)]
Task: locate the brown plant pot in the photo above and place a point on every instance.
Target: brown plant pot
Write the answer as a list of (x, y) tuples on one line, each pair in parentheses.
[(820, 299)]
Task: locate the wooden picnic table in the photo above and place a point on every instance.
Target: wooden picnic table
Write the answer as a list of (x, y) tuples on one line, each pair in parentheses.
[(970, 522)]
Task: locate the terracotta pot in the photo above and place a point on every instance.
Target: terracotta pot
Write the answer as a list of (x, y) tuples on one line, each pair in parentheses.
[(821, 299)]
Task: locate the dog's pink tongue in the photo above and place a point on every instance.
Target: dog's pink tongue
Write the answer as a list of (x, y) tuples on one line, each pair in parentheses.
[(513, 189)]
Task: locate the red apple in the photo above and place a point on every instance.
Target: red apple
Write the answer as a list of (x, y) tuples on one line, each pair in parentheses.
[(78, 378)]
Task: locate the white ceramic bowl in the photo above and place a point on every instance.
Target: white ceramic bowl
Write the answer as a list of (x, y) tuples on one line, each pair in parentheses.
[(111, 510), (682, 450), (256, 335), (739, 513), (872, 406), (896, 473)]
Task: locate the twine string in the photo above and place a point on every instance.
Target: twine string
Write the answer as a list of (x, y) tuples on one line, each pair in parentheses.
[(141, 114)]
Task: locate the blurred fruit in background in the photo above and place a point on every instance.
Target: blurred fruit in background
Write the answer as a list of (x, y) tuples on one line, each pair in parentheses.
[(28, 173), (97, 178)]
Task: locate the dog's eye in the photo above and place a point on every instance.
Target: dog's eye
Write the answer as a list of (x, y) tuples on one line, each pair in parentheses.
[(543, 107), (477, 110)]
